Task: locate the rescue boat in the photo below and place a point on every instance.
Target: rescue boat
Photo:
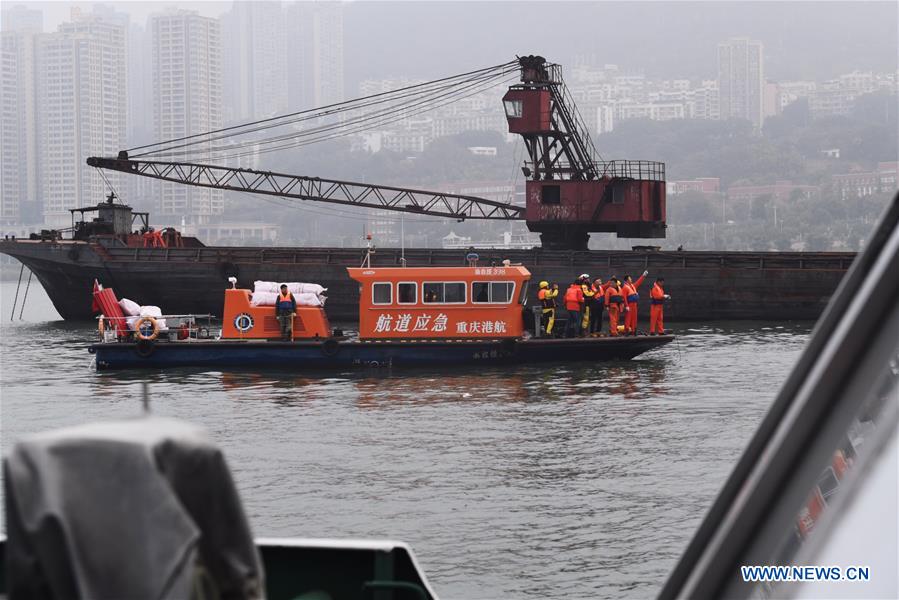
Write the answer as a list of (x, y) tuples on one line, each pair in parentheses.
[(408, 317)]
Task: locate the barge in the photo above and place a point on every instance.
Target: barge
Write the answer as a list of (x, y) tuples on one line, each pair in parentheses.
[(185, 276)]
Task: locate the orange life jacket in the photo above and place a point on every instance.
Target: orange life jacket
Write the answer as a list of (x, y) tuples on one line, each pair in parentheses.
[(573, 297), (613, 295), (657, 294), (629, 292)]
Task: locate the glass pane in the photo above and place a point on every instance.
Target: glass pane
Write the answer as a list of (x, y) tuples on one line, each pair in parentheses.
[(381, 293), (523, 296), (480, 291), (406, 293), (513, 108), (501, 291), (455, 292), (433, 292)]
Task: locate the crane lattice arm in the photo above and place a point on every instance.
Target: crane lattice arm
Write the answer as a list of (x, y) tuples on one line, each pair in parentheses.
[(437, 204)]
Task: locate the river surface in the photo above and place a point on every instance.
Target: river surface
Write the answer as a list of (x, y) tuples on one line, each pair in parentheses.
[(579, 481)]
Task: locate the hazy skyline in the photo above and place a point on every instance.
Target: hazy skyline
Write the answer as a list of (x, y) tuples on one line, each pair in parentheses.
[(667, 39)]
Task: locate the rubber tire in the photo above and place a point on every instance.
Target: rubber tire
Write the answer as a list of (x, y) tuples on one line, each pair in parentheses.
[(144, 348), (509, 346), (330, 347)]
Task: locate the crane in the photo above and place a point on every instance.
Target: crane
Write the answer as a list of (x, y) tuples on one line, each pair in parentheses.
[(570, 191)]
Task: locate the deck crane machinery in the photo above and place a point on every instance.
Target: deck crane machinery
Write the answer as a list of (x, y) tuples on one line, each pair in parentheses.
[(570, 191)]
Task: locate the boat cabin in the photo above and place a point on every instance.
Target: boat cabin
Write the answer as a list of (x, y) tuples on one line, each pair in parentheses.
[(241, 320), (441, 302)]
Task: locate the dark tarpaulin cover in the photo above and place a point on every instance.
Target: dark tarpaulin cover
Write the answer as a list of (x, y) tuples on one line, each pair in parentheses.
[(138, 509)]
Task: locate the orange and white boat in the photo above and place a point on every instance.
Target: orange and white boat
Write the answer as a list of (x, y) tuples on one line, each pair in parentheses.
[(408, 317)]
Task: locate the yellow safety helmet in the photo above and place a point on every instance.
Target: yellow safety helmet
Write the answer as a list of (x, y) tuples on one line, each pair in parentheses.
[(544, 284)]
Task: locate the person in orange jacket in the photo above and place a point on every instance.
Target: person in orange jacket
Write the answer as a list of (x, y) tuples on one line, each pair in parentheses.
[(657, 297), (574, 300), (631, 296), (614, 303)]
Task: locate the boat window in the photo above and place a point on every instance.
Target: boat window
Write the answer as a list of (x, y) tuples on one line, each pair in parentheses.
[(523, 296), (443, 293), (406, 292), (494, 292), (381, 293), (501, 291), (454, 293)]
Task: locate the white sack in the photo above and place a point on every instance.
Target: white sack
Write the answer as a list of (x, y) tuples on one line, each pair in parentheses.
[(264, 298), (306, 288), (308, 299), (294, 287), (129, 307), (150, 311), (265, 286)]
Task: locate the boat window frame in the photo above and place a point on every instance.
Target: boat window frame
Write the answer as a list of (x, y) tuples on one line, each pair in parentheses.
[(444, 301), (523, 293), (490, 292), (414, 285), (389, 285)]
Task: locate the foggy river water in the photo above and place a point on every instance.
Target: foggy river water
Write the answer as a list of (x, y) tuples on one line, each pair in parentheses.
[(579, 481)]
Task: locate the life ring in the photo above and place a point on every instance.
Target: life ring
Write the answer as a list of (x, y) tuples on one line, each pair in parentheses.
[(140, 334), (243, 322), (144, 347), (330, 347)]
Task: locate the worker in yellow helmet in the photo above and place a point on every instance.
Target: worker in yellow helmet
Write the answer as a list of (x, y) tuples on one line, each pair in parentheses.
[(589, 295), (547, 296)]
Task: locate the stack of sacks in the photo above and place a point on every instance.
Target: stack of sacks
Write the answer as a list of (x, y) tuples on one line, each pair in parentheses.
[(265, 293), (135, 312)]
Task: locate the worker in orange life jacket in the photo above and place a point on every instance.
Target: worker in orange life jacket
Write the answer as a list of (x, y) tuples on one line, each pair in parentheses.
[(657, 297), (285, 308), (629, 291), (547, 296), (574, 301), (614, 303)]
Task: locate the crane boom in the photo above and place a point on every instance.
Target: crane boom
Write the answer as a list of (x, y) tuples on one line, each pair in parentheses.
[(437, 204)]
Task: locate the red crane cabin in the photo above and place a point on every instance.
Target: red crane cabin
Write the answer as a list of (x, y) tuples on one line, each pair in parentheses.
[(441, 302)]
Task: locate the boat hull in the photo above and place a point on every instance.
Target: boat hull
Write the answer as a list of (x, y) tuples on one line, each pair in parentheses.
[(333, 354)]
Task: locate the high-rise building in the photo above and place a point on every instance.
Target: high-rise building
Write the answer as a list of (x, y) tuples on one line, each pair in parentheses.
[(255, 61), (19, 197), (81, 87), (21, 18), (315, 59), (741, 80), (187, 100)]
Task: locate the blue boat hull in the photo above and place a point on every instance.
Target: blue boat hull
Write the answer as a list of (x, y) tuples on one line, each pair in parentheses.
[(331, 354)]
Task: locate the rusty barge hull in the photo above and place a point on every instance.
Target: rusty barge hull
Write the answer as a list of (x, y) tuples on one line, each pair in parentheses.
[(703, 285)]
